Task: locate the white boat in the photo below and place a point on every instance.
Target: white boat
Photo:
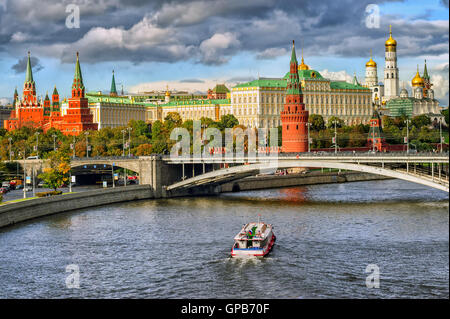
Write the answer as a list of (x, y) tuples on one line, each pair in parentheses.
[(254, 239)]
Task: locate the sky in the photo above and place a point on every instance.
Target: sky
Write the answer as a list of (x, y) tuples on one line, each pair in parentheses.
[(194, 44)]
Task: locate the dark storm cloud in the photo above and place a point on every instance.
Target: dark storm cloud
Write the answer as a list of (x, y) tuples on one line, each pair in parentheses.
[(21, 65), (209, 32)]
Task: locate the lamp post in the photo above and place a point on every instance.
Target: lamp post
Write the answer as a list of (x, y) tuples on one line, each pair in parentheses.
[(24, 175), (373, 138), (440, 133), (309, 140), (335, 136), (37, 143), (129, 129), (87, 143), (10, 150), (73, 146), (54, 142), (407, 135), (123, 142)]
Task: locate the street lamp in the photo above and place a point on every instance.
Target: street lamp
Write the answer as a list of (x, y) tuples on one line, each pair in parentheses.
[(37, 143), (123, 142), (440, 133), (24, 174), (335, 136), (54, 142), (73, 145), (10, 154), (87, 143), (129, 129), (407, 135), (309, 140)]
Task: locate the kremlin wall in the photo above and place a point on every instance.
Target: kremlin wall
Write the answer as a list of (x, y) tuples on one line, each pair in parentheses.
[(264, 102)]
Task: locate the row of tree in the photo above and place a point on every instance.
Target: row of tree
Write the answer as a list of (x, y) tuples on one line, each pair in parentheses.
[(140, 138)]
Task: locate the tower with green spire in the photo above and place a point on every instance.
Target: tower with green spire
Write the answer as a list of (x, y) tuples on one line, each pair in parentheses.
[(113, 91), (294, 116), (47, 107), (77, 85), (29, 87), (55, 112), (426, 80)]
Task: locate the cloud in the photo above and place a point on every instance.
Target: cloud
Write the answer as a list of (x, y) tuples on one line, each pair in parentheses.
[(338, 75), (215, 49), (21, 65), (271, 53), (5, 101), (191, 81)]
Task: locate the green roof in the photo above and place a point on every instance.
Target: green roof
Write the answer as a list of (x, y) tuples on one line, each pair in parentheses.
[(221, 88), (265, 82), (193, 102), (94, 97), (341, 85)]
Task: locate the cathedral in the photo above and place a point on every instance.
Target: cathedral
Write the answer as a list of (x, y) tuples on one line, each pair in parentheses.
[(46, 114), (388, 97)]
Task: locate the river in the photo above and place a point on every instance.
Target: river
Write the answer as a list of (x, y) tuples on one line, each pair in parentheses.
[(179, 248)]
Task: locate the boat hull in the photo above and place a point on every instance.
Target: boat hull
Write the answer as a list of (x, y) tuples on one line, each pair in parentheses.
[(262, 252)]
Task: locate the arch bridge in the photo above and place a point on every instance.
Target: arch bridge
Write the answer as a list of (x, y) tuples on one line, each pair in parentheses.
[(429, 169)]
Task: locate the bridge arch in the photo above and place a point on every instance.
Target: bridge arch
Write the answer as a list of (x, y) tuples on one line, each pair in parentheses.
[(237, 172)]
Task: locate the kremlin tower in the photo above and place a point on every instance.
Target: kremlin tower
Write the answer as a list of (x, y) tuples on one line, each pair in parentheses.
[(294, 117), (46, 114), (391, 76)]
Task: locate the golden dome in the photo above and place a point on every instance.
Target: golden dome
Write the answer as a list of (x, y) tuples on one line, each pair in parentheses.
[(371, 63), (303, 66), (417, 80), (167, 91), (390, 42)]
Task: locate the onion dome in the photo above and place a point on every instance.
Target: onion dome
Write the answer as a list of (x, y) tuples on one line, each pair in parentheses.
[(390, 42), (371, 63), (302, 65), (417, 81)]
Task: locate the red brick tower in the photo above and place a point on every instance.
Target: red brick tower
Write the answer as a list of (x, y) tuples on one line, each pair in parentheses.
[(294, 116), (78, 117), (375, 138)]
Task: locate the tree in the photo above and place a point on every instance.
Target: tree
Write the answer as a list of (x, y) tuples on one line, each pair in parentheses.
[(228, 121), (446, 115), (58, 173), (317, 122), (144, 150), (421, 121), (339, 124)]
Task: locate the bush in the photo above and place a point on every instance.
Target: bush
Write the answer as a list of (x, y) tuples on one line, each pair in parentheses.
[(46, 194)]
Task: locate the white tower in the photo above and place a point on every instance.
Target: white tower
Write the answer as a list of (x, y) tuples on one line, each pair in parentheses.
[(391, 76), (371, 72)]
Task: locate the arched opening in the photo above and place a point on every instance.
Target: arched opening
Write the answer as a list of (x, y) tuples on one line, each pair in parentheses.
[(98, 174)]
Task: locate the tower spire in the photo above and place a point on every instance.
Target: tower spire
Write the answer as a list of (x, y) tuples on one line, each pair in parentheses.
[(113, 91), (78, 76), (425, 72), (29, 75)]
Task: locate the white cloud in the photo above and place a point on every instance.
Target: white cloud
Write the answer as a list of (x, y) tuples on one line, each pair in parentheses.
[(20, 37), (440, 87), (214, 48), (338, 76), (271, 53)]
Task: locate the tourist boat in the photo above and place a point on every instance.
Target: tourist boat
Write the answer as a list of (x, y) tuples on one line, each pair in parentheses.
[(254, 240)]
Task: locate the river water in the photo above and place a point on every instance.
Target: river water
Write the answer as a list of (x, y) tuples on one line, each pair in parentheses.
[(179, 248)]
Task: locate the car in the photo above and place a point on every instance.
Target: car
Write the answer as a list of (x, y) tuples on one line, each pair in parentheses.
[(19, 186), (3, 190), (33, 157), (28, 189), (41, 184)]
